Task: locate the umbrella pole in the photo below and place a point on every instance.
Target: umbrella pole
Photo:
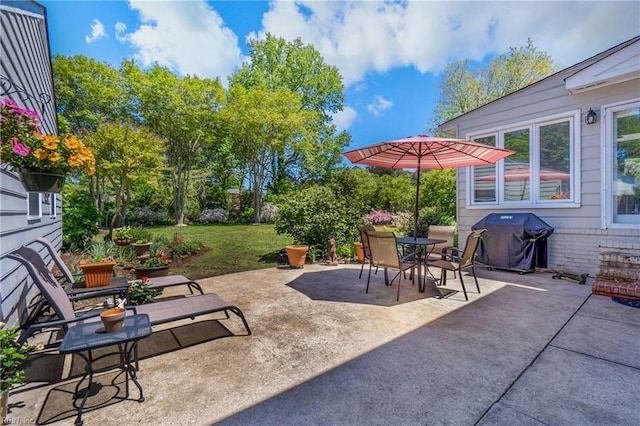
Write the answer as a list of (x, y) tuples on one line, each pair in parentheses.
[(415, 212)]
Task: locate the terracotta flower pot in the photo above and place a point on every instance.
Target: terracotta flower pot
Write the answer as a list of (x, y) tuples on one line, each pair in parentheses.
[(359, 252), (97, 274), (112, 319), (297, 255)]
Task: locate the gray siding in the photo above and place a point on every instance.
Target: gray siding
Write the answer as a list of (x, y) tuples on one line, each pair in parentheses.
[(578, 237), (25, 74)]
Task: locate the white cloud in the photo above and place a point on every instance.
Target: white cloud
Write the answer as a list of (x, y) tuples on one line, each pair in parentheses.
[(97, 32), (378, 105), (120, 28), (345, 118), (364, 37), (187, 36)]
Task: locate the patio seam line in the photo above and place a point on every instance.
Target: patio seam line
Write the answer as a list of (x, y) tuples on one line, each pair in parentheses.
[(535, 358), (596, 357)]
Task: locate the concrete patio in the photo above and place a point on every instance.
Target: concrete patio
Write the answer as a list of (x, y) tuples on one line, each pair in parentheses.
[(529, 350)]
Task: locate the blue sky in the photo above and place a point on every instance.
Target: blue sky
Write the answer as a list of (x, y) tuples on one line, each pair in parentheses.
[(390, 54)]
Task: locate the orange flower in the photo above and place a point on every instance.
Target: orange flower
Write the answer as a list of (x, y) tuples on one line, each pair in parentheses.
[(40, 154), (55, 156), (72, 142), (50, 142), (75, 160)]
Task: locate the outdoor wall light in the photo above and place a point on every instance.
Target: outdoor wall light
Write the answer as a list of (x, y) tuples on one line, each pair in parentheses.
[(591, 117)]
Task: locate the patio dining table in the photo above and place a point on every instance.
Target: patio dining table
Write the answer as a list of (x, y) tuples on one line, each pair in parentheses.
[(414, 243)]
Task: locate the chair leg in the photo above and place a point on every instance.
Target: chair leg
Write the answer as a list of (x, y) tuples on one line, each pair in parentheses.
[(368, 281), (361, 269), (466, 298), (473, 271), (399, 276)]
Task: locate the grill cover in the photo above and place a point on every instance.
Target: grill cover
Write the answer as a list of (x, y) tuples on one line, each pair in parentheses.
[(515, 241)]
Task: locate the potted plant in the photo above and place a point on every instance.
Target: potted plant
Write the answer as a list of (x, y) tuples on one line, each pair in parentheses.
[(98, 269), (140, 292), (141, 247), (42, 161), (155, 266), (12, 356), (297, 255), (122, 236)]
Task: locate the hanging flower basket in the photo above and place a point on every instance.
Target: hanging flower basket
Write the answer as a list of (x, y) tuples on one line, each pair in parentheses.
[(122, 241), (36, 181)]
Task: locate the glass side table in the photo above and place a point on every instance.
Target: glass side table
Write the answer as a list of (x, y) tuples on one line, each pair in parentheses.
[(82, 339)]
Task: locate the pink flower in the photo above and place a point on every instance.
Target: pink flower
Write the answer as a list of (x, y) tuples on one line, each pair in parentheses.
[(20, 148)]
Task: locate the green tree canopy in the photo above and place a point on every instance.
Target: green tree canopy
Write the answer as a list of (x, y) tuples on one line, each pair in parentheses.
[(277, 65), (464, 88), (124, 155)]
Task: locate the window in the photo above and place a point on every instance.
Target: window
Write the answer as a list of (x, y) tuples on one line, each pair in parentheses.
[(52, 205), (33, 207), (540, 173), (622, 164)]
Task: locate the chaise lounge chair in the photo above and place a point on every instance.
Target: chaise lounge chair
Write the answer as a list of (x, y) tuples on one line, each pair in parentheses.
[(154, 282), (160, 312), (77, 291)]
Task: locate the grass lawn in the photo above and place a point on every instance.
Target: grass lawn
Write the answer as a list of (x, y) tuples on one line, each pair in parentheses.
[(230, 248)]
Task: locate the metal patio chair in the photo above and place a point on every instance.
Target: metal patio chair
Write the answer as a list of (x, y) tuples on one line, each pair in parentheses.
[(460, 260), (384, 254)]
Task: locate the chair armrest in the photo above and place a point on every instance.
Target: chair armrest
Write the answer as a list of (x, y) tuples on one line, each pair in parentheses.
[(74, 297), (451, 253)]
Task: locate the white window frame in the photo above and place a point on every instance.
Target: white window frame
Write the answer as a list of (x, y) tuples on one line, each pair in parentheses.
[(52, 206), (606, 136), (574, 118), (31, 215)]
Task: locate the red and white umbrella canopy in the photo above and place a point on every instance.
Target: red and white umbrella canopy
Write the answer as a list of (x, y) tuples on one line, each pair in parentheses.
[(426, 152)]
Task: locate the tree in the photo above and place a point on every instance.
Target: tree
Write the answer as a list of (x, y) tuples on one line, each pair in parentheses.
[(263, 123), (464, 88), (88, 93), (125, 154), (183, 112), (277, 65)]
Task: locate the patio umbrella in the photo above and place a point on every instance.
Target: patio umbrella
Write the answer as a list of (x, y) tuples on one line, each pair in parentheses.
[(426, 152)]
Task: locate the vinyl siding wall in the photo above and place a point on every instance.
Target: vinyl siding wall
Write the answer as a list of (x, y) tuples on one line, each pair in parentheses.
[(578, 237), (25, 67)]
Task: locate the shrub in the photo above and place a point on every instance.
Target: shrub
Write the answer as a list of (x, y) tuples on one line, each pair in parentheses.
[(247, 215), (79, 220), (12, 355), (314, 215), (144, 216), (403, 221), (213, 216), (185, 248), (269, 212), (378, 217)]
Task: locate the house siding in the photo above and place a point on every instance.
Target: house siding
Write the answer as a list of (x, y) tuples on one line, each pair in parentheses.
[(578, 239), (26, 77)]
